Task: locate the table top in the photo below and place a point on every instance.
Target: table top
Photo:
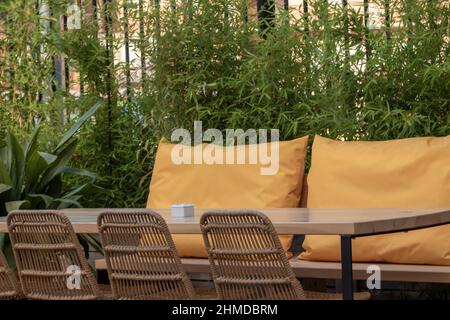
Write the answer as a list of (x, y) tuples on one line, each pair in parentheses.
[(293, 220)]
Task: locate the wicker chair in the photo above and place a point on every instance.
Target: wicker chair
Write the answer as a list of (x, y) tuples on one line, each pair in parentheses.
[(9, 286), (141, 257), (49, 258), (248, 261)]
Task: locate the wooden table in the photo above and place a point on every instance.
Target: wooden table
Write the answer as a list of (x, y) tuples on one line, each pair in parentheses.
[(347, 223)]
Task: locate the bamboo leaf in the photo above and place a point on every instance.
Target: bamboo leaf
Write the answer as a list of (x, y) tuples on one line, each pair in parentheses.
[(73, 130)]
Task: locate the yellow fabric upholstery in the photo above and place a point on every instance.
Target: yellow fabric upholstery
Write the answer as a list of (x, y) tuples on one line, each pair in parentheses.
[(227, 186), (406, 173)]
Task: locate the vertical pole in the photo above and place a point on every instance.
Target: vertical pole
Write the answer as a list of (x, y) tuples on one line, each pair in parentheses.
[(346, 27), (66, 64), (347, 268), (38, 51), (324, 16), (109, 61), (95, 14), (157, 8), (286, 9), (307, 42), (306, 15), (65, 72), (59, 63), (127, 49), (46, 25), (266, 14), (141, 41), (80, 4), (55, 60), (366, 29), (387, 19)]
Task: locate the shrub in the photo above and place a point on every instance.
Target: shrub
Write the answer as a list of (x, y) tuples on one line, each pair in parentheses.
[(322, 73)]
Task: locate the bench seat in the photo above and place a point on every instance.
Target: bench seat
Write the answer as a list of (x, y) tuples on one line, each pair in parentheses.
[(332, 270)]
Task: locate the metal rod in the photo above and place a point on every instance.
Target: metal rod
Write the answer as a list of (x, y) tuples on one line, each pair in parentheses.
[(366, 30), (109, 61), (346, 27), (347, 267), (80, 4), (95, 15), (37, 53), (141, 41), (65, 71), (306, 15), (387, 19), (56, 65), (266, 14), (65, 59), (127, 49)]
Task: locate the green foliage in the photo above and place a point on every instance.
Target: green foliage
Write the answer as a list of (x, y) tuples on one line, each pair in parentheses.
[(323, 80), (319, 73), (26, 66), (33, 179), (30, 178)]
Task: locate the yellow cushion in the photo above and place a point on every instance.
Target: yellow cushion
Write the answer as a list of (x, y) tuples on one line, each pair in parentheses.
[(406, 173), (227, 186)]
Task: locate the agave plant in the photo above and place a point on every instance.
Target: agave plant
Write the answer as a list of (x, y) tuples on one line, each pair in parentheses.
[(33, 179)]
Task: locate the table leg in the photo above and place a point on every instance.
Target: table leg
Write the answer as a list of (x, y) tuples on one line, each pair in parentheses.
[(347, 267)]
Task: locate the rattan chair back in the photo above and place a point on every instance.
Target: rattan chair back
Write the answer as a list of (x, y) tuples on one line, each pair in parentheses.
[(9, 285), (50, 262), (246, 257), (141, 257)]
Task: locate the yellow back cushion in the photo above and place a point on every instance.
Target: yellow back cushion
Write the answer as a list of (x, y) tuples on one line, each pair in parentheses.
[(406, 173), (227, 186)]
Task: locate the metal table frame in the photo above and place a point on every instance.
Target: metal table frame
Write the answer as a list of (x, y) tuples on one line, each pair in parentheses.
[(347, 260)]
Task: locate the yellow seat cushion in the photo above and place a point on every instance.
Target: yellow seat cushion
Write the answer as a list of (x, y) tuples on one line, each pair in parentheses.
[(405, 173), (227, 186)]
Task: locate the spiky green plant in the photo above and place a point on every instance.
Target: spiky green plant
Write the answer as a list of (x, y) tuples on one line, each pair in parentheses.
[(33, 179)]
